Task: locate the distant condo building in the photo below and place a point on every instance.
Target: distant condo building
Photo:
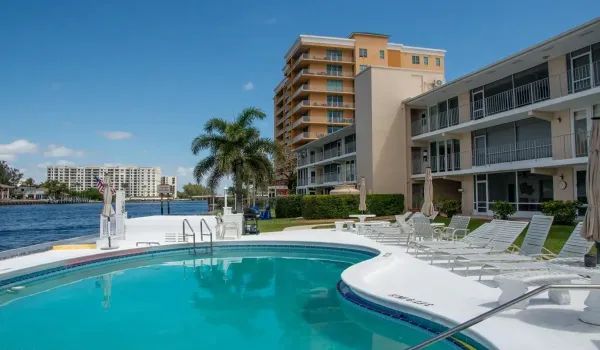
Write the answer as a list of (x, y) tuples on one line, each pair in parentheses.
[(320, 95), (172, 181), (136, 181)]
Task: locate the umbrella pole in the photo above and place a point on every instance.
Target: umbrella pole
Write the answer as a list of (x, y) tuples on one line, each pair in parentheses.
[(108, 232)]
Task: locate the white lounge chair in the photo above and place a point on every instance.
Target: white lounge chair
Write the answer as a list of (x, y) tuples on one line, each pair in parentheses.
[(458, 224), (411, 220), (575, 248), (530, 250), (433, 215), (479, 238), (388, 235), (505, 234)]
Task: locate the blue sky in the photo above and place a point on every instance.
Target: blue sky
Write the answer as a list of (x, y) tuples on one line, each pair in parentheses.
[(132, 82)]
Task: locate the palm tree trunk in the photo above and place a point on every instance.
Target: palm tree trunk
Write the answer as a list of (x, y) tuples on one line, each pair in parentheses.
[(253, 191), (238, 189)]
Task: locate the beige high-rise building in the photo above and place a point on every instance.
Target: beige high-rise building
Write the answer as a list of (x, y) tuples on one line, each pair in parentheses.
[(317, 96)]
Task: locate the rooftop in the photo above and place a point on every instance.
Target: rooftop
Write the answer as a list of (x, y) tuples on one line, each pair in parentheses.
[(571, 40)]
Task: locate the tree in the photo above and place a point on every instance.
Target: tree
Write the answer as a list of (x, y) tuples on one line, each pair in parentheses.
[(8, 175), (191, 190), (232, 146), (285, 161), (29, 182), (56, 189)]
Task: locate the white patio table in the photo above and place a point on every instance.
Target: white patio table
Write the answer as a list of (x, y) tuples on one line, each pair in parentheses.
[(362, 217)]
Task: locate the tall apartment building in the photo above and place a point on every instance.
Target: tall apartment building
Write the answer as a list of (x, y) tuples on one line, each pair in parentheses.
[(172, 181), (516, 130), (137, 181), (319, 97)]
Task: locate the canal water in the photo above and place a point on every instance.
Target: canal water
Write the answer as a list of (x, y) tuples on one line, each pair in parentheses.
[(24, 225)]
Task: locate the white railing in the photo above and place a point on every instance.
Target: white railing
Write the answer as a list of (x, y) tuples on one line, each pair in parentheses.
[(305, 72), (340, 120), (305, 118), (332, 104), (559, 147), (333, 58), (307, 135), (301, 104)]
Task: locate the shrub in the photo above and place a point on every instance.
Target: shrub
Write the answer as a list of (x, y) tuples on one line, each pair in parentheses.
[(334, 207), (449, 207), (564, 212), (503, 210), (289, 207)]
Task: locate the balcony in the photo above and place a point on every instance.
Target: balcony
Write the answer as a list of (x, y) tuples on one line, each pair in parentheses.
[(302, 120), (306, 74), (558, 148), (280, 121), (304, 89), (306, 136), (343, 175), (307, 58), (279, 111), (538, 94), (306, 104), (279, 132)]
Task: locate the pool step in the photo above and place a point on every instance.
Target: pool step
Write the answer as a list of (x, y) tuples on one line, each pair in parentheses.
[(74, 246)]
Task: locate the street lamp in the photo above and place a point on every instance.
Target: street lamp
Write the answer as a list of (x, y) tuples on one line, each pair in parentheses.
[(225, 193)]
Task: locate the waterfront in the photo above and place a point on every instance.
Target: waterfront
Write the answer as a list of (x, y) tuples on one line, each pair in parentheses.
[(23, 225)]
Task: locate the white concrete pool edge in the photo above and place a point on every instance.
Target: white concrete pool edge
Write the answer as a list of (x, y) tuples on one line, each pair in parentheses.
[(454, 298)]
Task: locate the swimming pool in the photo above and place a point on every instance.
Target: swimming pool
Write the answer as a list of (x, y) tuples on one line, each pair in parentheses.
[(267, 300)]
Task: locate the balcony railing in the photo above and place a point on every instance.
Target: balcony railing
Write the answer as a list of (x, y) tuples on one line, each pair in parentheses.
[(332, 104), (305, 118), (559, 85), (559, 147), (307, 135), (322, 88), (340, 120), (330, 58), (350, 147), (305, 72)]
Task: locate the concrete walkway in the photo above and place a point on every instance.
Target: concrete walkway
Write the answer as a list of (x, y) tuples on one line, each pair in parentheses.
[(302, 227)]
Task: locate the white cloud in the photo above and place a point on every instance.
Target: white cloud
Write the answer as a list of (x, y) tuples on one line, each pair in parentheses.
[(60, 162), (18, 146), (249, 86), (182, 171), (62, 151), (110, 165), (8, 157), (271, 21), (117, 135)]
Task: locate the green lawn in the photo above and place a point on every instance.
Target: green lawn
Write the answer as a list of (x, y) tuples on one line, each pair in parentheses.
[(279, 224)]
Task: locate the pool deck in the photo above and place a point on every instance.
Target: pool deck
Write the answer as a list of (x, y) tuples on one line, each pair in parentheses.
[(451, 298)]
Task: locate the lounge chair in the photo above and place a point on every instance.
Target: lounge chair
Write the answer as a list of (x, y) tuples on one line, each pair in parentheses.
[(433, 215), (458, 224), (532, 246), (505, 234), (388, 235), (575, 248), (516, 283), (413, 217), (479, 238), (403, 217)]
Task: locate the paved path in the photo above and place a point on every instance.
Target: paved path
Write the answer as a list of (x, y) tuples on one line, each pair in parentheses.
[(302, 227)]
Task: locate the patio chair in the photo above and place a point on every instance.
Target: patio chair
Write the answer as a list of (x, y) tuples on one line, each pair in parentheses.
[(434, 215), (423, 232), (532, 247), (402, 218), (411, 220), (505, 234), (458, 224), (388, 235)]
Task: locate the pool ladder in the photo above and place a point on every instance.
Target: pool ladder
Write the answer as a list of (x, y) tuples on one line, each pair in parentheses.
[(202, 234), (475, 320)]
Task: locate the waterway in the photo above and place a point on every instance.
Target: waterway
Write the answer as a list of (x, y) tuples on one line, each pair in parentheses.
[(24, 225)]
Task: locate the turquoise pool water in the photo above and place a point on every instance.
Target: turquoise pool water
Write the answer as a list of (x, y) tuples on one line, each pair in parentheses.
[(270, 302)]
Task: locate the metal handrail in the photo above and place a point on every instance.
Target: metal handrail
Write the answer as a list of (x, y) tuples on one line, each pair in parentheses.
[(477, 319), (202, 234), (185, 221)]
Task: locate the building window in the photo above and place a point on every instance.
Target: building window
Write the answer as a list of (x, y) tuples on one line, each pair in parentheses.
[(331, 129), (335, 85), (334, 69), (334, 55), (335, 116), (363, 67), (362, 52), (438, 62), (382, 54), (415, 59), (335, 100), (426, 61)]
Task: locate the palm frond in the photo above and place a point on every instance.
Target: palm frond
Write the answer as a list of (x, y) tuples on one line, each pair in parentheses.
[(203, 168), (218, 125), (248, 115)]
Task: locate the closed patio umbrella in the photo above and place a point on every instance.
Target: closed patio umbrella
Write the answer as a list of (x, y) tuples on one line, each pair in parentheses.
[(591, 224), (107, 209), (362, 205), (427, 208)]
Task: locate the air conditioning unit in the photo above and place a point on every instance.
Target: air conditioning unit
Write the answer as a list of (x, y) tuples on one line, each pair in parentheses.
[(438, 83)]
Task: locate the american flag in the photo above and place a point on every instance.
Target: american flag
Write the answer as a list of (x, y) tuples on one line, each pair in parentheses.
[(100, 186)]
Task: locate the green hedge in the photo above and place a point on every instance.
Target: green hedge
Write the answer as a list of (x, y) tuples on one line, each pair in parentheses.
[(564, 212), (337, 207), (289, 207)]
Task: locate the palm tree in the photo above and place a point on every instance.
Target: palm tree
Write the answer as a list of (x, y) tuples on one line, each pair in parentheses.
[(29, 182), (233, 146)]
